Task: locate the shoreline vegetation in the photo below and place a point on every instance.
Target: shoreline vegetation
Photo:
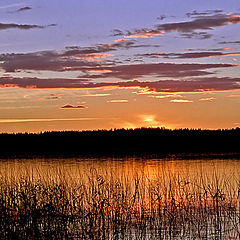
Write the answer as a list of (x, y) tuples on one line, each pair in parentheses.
[(141, 141), (129, 207)]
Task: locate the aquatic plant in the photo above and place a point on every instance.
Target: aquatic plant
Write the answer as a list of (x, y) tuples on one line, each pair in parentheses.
[(127, 207)]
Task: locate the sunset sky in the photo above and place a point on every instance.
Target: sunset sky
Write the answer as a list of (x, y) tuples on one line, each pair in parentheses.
[(91, 64)]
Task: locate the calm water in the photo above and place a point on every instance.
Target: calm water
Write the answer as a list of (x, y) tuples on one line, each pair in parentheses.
[(73, 169), (127, 198)]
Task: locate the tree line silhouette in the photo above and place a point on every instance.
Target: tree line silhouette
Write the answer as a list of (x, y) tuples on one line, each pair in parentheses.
[(120, 141)]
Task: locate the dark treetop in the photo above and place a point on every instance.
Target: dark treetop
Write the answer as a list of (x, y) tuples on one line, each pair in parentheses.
[(120, 141)]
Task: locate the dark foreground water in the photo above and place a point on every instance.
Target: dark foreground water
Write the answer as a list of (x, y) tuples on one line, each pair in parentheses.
[(120, 198)]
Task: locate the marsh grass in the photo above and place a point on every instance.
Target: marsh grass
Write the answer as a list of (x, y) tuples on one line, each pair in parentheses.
[(103, 206)]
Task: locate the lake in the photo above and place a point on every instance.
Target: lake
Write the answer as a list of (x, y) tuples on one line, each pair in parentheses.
[(129, 166), (121, 198)]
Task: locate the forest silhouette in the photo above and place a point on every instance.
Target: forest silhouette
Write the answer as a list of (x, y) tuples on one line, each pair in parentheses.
[(120, 141)]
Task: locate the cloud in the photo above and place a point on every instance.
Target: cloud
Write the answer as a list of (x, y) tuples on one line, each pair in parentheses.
[(165, 96), (51, 97), (196, 35), (198, 23), (230, 42), (118, 101), (167, 86), (189, 55), (117, 32), (24, 9), (207, 99), (4, 26), (98, 71), (72, 58), (68, 106), (91, 60), (234, 95), (44, 120), (103, 47), (97, 95), (161, 17), (180, 101), (98, 57), (195, 13), (46, 60), (41, 83), (144, 35), (208, 49), (174, 70)]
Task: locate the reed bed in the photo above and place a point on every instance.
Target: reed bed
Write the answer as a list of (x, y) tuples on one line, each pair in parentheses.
[(102, 206)]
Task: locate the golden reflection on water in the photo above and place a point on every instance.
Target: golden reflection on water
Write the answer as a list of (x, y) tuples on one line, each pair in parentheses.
[(161, 193), (76, 169)]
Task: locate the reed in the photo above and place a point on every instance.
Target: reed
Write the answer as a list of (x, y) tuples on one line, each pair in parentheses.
[(102, 206)]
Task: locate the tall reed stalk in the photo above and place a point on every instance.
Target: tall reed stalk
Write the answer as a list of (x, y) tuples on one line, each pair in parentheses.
[(107, 207)]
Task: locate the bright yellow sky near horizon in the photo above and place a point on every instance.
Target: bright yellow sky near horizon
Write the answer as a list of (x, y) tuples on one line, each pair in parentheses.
[(35, 110)]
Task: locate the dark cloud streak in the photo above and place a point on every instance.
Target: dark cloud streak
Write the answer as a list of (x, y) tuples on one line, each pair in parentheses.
[(198, 23), (68, 106), (230, 42), (196, 35), (5, 26), (195, 13), (24, 9), (188, 55), (201, 23), (190, 85), (134, 71)]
